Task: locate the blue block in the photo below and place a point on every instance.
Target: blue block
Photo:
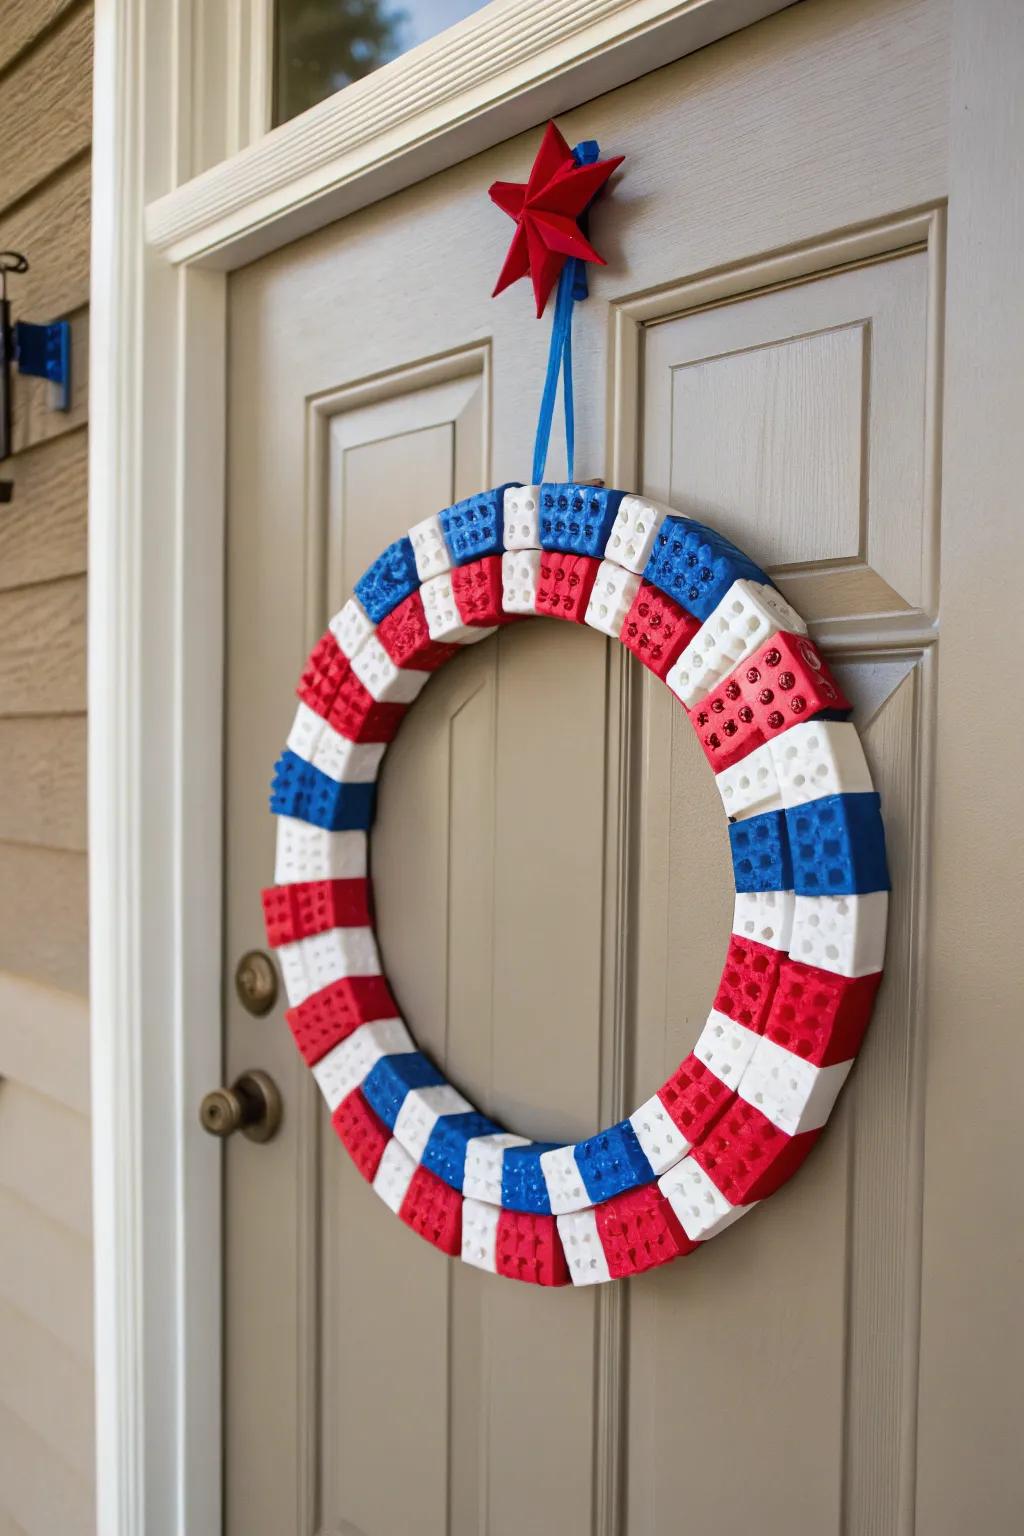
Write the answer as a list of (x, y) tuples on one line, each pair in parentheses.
[(612, 1161), (577, 519), (473, 528), (760, 853), (389, 580), (838, 846), (696, 567), (445, 1151), (522, 1180), (387, 1084), (302, 791)]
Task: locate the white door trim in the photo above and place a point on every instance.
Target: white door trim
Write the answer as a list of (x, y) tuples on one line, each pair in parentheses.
[(157, 452)]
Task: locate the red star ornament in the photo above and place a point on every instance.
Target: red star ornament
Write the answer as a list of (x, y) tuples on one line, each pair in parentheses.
[(546, 210)]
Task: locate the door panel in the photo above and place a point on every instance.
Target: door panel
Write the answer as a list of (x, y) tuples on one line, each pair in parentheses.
[(550, 866)]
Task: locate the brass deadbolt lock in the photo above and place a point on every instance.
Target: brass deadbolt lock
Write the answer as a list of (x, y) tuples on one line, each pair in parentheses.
[(251, 1105), (256, 982)]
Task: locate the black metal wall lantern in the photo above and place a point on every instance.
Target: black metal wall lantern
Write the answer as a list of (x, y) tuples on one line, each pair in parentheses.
[(43, 351)]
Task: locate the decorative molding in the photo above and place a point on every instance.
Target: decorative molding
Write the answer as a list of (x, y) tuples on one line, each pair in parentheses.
[(500, 71)]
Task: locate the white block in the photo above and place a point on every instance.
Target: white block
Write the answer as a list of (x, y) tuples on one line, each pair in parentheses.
[(662, 1141), (313, 963), (292, 965), (348, 1064), (701, 1209), (522, 517), (633, 532), (347, 762), (444, 621), (307, 728), (351, 627), (766, 917), (583, 1252), (566, 1189), (822, 757), (750, 786), (793, 1093), (480, 1234), (394, 1175), (421, 1109), (484, 1158), (845, 934), (611, 598), (748, 614), (311, 853), (385, 681), (520, 572), (429, 548), (725, 1047)]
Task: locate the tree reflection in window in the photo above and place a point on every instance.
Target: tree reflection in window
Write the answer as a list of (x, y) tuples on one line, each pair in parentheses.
[(320, 46)]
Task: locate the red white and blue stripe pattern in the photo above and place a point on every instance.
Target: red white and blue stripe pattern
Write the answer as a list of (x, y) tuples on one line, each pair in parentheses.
[(804, 961)]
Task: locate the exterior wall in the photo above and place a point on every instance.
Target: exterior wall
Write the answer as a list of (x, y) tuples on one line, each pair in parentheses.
[(46, 1386)]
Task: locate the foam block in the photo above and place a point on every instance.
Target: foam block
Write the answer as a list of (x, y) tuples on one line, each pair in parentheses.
[(480, 1235), (345, 1067), (750, 786), (329, 1016), (429, 548), (392, 1079), (330, 687), (477, 589), (694, 1098), (361, 1133), (528, 1248), (820, 1015), (522, 1179), (838, 846), (612, 1161), (748, 981), (611, 599), (700, 1207), (792, 1092), (522, 517), (434, 1211), (656, 629), (444, 621), (316, 742), (696, 566), (746, 1157), (302, 792), (564, 586), (726, 1047), (405, 636), (292, 912), (310, 964), (841, 933), (638, 1231), (748, 615), (565, 1186), (382, 679), (820, 757), (305, 852), (584, 1252), (662, 1141), (634, 529), (577, 519), (520, 572), (473, 527), (760, 853), (394, 1175), (447, 1150), (391, 577), (351, 627), (485, 1156), (766, 917)]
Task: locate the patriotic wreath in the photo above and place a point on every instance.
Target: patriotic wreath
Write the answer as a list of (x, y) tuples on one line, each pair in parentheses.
[(804, 959)]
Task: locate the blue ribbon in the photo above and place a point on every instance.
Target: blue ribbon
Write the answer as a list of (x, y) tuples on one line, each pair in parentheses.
[(572, 287)]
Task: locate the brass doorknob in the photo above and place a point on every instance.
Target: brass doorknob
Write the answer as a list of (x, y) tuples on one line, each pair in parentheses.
[(251, 1105)]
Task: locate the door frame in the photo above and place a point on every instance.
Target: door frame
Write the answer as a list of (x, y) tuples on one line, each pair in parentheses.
[(164, 241)]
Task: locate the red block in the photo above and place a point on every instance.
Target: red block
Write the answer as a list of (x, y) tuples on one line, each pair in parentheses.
[(818, 1015), (406, 638), (564, 586), (330, 687), (785, 683), (293, 912), (362, 1133), (694, 1097), (434, 1210), (749, 979), (332, 1014), (529, 1248), (747, 1157), (657, 630), (477, 590), (639, 1230)]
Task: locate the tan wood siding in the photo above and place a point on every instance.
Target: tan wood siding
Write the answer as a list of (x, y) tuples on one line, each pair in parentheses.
[(46, 1366)]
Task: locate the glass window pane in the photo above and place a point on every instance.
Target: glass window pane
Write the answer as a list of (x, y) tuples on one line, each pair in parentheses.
[(322, 45)]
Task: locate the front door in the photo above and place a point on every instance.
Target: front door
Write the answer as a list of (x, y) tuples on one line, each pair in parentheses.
[(550, 869)]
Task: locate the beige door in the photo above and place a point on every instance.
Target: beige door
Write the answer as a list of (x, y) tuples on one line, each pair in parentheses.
[(550, 862)]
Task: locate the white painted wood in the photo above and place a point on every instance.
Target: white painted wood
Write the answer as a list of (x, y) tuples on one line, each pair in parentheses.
[(509, 65)]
